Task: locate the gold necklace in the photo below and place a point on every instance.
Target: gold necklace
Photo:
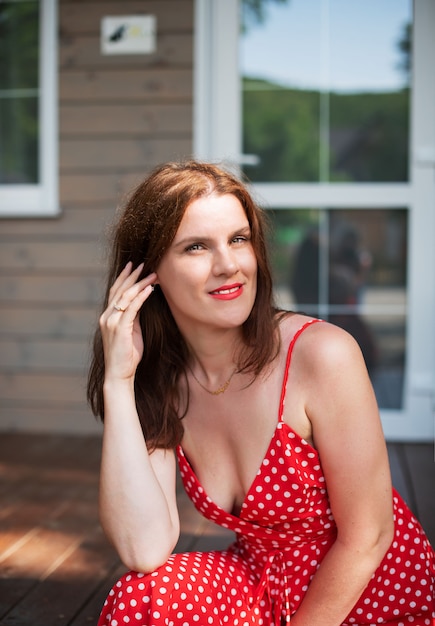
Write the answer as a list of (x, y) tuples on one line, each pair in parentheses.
[(218, 391)]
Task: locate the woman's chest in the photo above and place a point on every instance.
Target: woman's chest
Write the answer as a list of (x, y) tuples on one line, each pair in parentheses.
[(226, 439), (226, 443)]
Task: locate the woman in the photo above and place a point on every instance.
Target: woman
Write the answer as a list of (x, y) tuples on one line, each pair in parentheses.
[(270, 415)]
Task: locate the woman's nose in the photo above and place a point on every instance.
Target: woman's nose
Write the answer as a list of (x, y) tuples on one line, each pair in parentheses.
[(225, 262)]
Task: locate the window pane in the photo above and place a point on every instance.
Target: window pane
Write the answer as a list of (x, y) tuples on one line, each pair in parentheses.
[(19, 92), (325, 90), (349, 267)]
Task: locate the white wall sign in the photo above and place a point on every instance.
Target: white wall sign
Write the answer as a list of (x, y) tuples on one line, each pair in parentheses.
[(128, 34)]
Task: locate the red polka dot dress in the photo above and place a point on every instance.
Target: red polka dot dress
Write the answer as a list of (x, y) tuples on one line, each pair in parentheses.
[(284, 530)]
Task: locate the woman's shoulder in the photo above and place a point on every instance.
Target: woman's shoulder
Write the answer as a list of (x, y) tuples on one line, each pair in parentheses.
[(318, 343)]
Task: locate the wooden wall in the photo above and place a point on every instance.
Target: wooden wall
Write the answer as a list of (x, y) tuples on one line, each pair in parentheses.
[(119, 116)]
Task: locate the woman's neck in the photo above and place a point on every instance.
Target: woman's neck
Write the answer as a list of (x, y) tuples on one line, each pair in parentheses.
[(214, 356)]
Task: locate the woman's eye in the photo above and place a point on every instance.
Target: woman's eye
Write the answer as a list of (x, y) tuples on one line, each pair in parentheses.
[(240, 239), (194, 247)]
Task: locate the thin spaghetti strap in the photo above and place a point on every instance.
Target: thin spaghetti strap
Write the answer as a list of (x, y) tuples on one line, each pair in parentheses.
[(287, 363)]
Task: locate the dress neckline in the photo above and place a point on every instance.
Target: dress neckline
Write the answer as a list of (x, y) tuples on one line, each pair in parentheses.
[(279, 425)]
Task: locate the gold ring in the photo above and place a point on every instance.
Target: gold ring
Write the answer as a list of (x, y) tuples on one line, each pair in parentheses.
[(118, 308)]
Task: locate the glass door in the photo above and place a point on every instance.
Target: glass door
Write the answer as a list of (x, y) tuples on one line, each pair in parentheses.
[(319, 112)]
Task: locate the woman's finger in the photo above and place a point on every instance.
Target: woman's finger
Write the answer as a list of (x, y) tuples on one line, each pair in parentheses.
[(132, 296), (123, 282), (127, 276)]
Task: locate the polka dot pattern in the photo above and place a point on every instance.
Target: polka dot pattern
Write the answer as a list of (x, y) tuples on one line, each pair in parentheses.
[(284, 530)]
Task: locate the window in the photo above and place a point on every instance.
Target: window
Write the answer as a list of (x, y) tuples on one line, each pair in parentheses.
[(28, 108), (326, 99), (326, 90)]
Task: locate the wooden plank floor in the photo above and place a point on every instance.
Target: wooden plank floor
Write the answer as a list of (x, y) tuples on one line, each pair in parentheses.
[(56, 567)]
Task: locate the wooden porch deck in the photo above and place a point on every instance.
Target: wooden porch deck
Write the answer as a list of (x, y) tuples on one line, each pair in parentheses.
[(56, 567)]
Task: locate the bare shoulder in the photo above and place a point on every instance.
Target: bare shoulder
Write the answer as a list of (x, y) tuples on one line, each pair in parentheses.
[(290, 325), (333, 385), (322, 349)]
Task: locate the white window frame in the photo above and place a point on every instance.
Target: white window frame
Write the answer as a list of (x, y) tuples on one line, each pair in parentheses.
[(41, 199)]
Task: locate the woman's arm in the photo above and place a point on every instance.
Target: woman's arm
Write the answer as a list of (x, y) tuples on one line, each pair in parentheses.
[(347, 433), (138, 507)]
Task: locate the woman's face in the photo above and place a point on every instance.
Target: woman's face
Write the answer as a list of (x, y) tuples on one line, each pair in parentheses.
[(209, 273)]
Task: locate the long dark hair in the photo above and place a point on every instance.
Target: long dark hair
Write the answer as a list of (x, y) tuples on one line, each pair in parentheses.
[(143, 232)]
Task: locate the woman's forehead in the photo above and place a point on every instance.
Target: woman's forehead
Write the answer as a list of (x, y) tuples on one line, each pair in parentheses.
[(211, 211)]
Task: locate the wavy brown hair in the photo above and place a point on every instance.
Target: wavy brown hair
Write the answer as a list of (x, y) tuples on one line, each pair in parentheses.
[(144, 231)]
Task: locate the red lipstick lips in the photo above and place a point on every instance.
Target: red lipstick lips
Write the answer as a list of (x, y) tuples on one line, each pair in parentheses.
[(227, 292)]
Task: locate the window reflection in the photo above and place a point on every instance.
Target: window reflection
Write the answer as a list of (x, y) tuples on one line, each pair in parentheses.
[(349, 267), (325, 90)]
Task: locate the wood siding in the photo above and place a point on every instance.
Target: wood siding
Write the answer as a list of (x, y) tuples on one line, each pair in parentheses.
[(119, 116)]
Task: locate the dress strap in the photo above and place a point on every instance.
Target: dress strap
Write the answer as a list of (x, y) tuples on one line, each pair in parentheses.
[(287, 363)]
